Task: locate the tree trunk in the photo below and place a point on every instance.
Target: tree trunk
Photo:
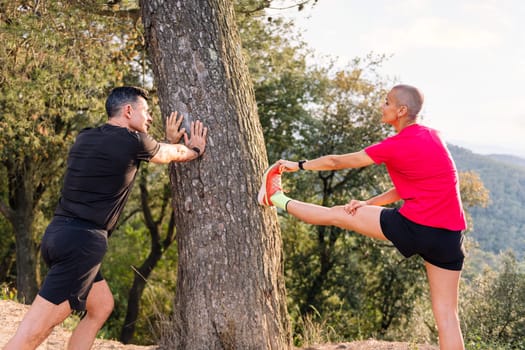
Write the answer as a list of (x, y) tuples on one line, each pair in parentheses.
[(230, 287), (21, 200), (26, 277), (8, 263)]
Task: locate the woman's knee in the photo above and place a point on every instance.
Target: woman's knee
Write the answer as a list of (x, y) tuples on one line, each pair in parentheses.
[(336, 216), (356, 222)]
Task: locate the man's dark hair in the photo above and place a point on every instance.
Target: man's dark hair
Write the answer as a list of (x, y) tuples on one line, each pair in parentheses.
[(123, 95)]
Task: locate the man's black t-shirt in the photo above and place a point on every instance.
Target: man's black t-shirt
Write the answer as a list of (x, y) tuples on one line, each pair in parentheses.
[(101, 169)]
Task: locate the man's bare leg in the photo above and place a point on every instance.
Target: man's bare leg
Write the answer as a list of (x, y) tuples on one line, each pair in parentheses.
[(99, 305), (38, 323)]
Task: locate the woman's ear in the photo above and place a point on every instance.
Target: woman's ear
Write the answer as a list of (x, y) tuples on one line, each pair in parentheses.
[(402, 111)]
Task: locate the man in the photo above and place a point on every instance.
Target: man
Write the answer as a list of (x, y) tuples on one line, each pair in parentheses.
[(431, 219), (101, 169)]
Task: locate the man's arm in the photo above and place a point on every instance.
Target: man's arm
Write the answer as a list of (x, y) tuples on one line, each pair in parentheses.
[(175, 152)]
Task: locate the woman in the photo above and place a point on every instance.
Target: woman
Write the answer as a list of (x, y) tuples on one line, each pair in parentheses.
[(430, 221)]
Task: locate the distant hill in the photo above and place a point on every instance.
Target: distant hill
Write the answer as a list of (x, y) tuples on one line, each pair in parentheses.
[(500, 226), (513, 160)]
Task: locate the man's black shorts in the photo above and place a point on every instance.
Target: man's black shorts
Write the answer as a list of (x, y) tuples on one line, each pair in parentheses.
[(73, 249), (438, 246)]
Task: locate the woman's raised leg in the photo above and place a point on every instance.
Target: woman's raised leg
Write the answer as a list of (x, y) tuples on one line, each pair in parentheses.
[(365, 220)]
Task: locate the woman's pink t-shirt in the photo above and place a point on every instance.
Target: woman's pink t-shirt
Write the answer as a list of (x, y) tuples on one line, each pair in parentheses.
[(424, 176)]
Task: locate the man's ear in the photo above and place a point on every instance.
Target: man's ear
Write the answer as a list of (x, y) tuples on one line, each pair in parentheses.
[(127, 110)]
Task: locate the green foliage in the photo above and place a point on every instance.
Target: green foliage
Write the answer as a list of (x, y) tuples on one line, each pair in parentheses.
[(390, 286), (493, 307), (369, 290), (7, 292), (283, 84), (58, 62), (128, 249)]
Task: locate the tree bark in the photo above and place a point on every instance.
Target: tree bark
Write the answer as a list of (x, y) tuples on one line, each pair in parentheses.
[(22, 202), (230, 287)]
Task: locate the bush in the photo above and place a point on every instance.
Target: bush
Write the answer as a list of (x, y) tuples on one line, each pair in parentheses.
[(493, 308)]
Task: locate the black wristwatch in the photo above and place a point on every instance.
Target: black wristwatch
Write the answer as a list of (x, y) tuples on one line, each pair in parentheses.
[(301, 163), (196, 149)]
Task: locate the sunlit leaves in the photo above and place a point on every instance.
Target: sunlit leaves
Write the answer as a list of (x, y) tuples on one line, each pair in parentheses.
[(473, 192), (58, 64)]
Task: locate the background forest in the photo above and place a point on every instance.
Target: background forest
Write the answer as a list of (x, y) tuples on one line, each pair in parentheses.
[(59, 60)]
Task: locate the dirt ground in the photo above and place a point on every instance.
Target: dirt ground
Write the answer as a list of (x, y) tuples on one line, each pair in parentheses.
[(11, 313), (372, 345)]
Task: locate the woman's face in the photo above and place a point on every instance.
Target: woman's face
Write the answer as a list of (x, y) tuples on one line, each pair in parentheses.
[(391, 110)]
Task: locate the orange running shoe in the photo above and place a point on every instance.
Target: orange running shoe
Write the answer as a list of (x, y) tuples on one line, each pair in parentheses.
[(271, 183)]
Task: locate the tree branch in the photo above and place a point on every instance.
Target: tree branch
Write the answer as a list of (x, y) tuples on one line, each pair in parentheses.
[(6, 211), (300, 5), (127, 217), (146, 211), (267, 5), (113, 9), (352, 173), (170, 233)]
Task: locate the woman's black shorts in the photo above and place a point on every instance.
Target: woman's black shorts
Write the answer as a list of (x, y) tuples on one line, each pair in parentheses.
[(73, 249), (438, 246)]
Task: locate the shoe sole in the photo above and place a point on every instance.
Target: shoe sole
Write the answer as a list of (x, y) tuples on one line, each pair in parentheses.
[(262, 197)]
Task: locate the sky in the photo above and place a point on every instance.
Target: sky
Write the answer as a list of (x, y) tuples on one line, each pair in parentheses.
[(466, 56)]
